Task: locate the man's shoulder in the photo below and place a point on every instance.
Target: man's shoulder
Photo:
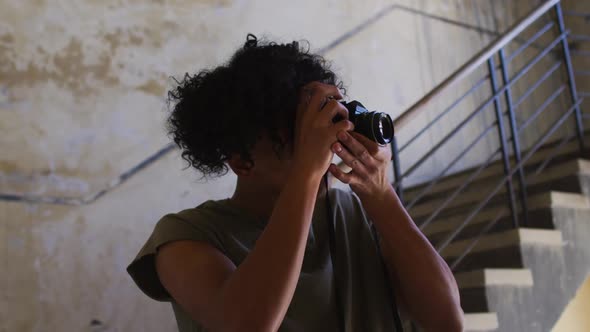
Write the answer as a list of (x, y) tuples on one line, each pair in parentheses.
[(207, 212)]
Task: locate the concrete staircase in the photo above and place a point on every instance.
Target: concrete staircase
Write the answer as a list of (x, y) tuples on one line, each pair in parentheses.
[(516, 279)]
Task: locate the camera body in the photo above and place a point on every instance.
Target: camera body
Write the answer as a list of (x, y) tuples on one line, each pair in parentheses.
[(376, 126)]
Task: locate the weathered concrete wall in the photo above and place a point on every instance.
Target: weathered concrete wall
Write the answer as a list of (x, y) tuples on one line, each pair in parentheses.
[(82, 87)]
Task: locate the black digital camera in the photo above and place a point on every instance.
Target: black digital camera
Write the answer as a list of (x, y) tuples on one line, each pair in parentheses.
[(376, 126)]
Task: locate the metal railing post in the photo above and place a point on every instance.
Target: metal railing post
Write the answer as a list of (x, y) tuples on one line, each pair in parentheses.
[(397, 173), (515, 139), (570, 75), (502, 136)]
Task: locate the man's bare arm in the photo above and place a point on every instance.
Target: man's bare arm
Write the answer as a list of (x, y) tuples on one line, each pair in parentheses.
[(426, 287), (255, 296)]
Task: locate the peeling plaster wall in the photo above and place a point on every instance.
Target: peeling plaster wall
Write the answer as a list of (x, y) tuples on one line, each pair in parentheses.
[(82, 86)]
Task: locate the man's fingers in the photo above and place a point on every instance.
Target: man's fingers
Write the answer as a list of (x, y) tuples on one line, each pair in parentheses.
[(340, 175), (371, 146), (356, 163), (357, 149)]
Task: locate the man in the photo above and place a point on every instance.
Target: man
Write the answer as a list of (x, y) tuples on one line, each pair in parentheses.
[(260, 261)]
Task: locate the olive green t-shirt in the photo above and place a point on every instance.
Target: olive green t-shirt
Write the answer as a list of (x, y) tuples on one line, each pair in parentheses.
[(360, 276)]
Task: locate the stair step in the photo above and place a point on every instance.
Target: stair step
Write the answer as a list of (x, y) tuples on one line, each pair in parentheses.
[(537, 204), (540, 183), (538, 219), (494, 277), (481, 321), (568, 151), (473, 285), (564, 200), (514, 237), (554, 171)]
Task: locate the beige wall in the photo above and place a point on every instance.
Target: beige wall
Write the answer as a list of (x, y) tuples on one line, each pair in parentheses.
[(575, 316), (82, 87)]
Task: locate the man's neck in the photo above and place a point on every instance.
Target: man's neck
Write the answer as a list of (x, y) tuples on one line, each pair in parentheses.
[(259, 201)]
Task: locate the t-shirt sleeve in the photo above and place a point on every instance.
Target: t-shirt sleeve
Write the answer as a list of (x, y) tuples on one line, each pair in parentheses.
[(171, 227)]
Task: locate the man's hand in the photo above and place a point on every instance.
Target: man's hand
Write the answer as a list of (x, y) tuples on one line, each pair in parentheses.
[(369, 163), (315, 132), (406, 251)]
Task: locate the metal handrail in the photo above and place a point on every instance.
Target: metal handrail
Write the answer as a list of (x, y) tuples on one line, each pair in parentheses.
[(474, 63), (510, 171), (506, 86), (536, 146), (470, 66), (508, 134)]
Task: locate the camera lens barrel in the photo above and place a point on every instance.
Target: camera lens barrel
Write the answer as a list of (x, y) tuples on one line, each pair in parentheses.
[(376, 126)]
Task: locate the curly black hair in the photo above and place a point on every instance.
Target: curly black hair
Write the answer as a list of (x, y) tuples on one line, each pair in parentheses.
[(220, 112)]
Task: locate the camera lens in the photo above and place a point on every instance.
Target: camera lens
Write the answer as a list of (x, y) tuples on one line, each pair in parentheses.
[(384, 128), (376, 126)]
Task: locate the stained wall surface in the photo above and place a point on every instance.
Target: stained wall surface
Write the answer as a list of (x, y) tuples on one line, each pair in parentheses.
[(82, 101)]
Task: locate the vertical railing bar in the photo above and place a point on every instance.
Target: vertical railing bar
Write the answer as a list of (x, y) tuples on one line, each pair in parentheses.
[(526, 124), (502, 137), (515, 140), (487, 162), (571, 79), (538, 57), (526, 157), (516, 77)]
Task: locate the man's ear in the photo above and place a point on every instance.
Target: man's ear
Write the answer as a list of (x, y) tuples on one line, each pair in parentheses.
[(240, 166)]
